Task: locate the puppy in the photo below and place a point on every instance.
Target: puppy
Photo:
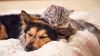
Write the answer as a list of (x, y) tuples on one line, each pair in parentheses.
[(36, 32)]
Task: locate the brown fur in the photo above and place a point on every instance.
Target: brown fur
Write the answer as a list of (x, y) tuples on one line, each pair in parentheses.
[(37, 32), (3, 33), (36, 38)]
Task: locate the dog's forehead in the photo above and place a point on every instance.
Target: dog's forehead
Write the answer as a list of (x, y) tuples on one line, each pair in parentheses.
[(32, 29), (35, 30)]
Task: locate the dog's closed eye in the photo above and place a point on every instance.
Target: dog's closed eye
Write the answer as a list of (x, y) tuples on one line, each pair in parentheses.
[(41, 37), (44, 36), (30, 34)]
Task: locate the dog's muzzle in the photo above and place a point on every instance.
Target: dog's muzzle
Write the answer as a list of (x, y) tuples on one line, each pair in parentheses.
[(29, 47)]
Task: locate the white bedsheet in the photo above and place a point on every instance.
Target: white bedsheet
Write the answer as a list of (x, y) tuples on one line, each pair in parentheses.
[(81, 44)]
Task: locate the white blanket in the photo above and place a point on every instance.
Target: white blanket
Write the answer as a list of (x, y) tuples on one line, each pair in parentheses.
[(82, 43)]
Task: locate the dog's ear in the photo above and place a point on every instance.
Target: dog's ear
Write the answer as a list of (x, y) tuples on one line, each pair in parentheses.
[(25, 17)]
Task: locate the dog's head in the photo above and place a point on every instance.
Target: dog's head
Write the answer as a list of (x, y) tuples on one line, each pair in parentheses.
[(3, 32), (36, 32)]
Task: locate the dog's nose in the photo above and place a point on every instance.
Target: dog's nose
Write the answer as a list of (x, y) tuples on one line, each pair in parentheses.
[(30, 48)]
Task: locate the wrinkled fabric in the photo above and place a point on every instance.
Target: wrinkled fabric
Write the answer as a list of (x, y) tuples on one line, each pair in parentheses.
[(85, 44)]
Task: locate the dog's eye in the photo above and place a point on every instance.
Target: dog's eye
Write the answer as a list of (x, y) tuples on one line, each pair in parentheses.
[(41, 37), (21, 23), (30, 34)]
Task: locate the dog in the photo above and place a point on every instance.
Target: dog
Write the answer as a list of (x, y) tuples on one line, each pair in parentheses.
[(36, 32), (13, 24)]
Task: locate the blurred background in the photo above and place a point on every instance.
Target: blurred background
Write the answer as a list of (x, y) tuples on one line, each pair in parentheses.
[(38, 6)]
